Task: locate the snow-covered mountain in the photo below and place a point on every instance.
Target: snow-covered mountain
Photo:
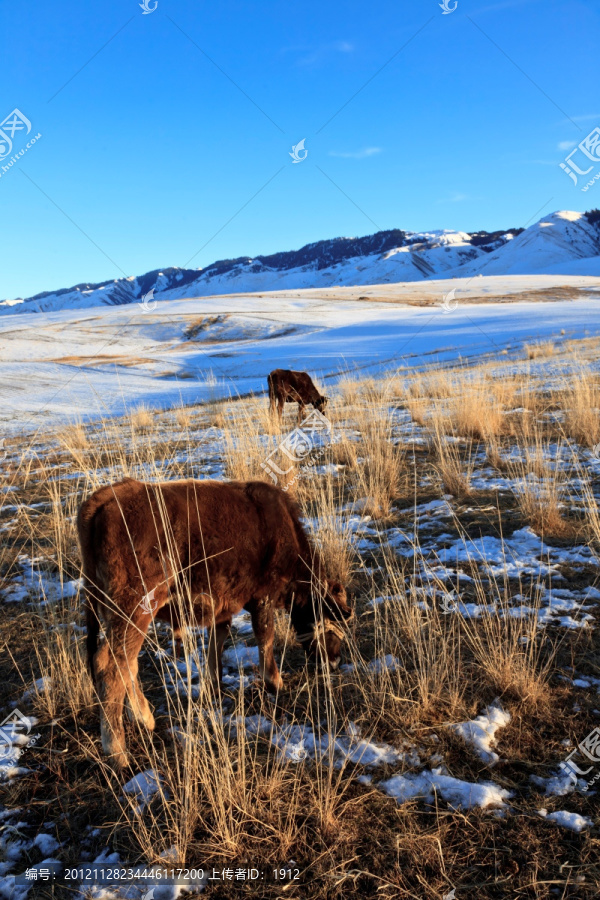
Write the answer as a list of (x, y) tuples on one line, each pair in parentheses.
[(561, 243)]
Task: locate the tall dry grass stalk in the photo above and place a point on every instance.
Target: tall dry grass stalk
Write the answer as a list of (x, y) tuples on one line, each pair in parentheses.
[(141, 418), (540, 350), (580, 401), (453, 462), (378, 476), (540, 480)]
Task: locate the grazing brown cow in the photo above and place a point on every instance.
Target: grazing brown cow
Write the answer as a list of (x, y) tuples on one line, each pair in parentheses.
[(226, 546), (286, 386)]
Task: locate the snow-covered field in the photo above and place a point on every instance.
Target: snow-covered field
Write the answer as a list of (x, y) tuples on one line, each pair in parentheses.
[(67, 365)]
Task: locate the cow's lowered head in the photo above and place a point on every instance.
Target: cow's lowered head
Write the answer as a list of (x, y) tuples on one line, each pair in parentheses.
[(320, 614), (321, 402)]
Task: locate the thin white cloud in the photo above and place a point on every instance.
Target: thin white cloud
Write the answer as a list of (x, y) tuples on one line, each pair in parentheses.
[(356, 154), (457, 197), (566, 145), (317, 54), (587, 118)]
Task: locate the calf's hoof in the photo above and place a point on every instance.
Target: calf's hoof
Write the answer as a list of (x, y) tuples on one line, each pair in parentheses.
[(119, 761), (143, 717), (274, 684)]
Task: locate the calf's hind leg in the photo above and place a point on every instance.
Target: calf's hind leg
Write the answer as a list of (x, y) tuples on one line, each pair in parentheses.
[(116, 669), (138, 708), (263, 625)]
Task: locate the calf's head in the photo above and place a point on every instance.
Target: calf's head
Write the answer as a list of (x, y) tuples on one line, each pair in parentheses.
[(320, 616), (321, 402)]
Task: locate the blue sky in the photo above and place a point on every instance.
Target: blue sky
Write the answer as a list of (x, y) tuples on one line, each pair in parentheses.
[(166, 136)]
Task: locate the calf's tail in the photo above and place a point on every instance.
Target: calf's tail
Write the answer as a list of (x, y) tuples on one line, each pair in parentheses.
[(85, 530)]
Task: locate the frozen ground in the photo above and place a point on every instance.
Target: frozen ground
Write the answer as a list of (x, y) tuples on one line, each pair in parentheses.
[(83, 364)]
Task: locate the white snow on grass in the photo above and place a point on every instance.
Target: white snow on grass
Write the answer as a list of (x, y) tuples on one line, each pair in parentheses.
[(142, 788), (480, 733), (41, 686), (240, 656), (572, 821), (564, 782), (298, 742), (46, 844), (36, 584), (458, 794)]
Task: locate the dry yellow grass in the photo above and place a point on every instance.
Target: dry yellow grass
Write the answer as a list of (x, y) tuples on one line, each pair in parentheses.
[(74, 437), (377, 480), (141, 418), (581, 404), (228, 794), (183, 416), (539, 350)]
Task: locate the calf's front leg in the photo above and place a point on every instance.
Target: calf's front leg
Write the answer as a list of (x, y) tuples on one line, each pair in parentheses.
[(263, 625), (217, 636)]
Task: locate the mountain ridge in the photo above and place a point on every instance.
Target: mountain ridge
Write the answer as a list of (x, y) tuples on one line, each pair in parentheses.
[(561, 238)]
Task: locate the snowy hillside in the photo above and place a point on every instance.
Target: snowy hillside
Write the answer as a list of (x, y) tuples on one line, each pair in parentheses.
[(561, 243), (557, 241), (90, 363)]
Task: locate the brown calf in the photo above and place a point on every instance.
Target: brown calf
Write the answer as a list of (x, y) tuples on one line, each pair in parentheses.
[(226, 546), (286, 386)]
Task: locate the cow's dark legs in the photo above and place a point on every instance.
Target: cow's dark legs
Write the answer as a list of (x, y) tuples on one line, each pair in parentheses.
[(263, 625), (301, 411), (280, 405), (217, 636), (272, 403), (116, 668)]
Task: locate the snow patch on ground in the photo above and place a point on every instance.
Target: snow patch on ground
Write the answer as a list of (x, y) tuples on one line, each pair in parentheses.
[(572, 821), (458, 794), (480, 733)]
